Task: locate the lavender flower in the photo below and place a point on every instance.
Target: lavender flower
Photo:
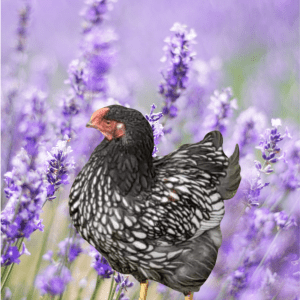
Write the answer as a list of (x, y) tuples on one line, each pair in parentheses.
[(253, 193), (34, 121), (24, 15), (269, 146), (12, 255), (95, 12), (222, 106), (179, 55), (77, 77), (53, 280), (70, 248), (289, 180), (56, 276), (26, 193), (100, 264), (88, 73), (238, 280), (59, 163), (249, 124), (99, 56), (157, 128), (283, 221), (70, 109), (203, 80), (122, 284)]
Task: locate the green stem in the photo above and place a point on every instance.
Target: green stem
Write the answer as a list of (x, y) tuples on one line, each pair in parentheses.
[(111, 284), (111, 296), (9, 268), (119, 293), (43, 248), (98, 284), (60, 296), (79, 293), (7, 271)]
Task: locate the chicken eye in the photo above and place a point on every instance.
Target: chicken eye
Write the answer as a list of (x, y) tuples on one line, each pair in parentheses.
[(107, 122)]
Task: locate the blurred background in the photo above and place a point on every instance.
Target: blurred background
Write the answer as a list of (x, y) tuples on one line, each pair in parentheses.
[(251, 46), (257, 43)]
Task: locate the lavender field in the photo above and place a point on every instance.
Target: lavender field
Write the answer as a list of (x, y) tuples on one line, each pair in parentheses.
[(190, 67)]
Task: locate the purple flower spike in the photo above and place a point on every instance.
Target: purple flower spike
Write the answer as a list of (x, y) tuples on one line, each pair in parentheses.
[(123, 283), (250, 124), (253, 193), (95, 12), (283, 221), (100, 264), (26, 193), (99, 56), (53, 280), (179, 55), (269, 145), (12, 256), (239, 280), (222, 106), (34, 121), (24, 15), (59, 164), (72, 245)]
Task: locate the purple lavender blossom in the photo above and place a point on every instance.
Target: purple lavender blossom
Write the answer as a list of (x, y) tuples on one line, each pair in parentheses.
[(239, 280), (59, 164), (253, 193), (34, 121), (95, 12), (53, 280), (157, 128), (12, 255), (249, 124), (24, 15), (88, 73), (70, 248), (77, 77), (179, 56), (99, 56), (26, 194), (70, 108), (289, 177), (100, 264), (123, 284), (222, 106), (283, 221), (269, 146), (204, 77)]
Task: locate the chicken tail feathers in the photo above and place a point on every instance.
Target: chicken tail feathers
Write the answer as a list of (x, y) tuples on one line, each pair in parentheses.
[(230, 183)]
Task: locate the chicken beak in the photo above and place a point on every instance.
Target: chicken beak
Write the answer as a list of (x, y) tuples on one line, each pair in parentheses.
[(89, 124)]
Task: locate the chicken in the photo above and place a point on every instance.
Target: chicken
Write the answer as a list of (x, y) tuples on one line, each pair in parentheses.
[(155, 218)]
